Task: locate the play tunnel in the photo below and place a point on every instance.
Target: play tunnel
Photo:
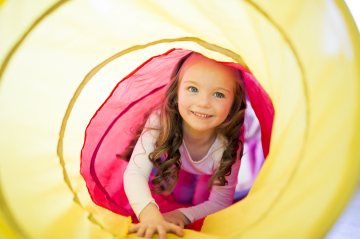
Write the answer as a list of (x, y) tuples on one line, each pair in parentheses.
[(61, 60)]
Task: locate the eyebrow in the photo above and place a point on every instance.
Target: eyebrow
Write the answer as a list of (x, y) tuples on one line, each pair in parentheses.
[(193, 82)]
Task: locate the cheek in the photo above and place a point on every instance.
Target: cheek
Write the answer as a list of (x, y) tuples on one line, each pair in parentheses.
[(224, 109), (184, 97), (182, 102)]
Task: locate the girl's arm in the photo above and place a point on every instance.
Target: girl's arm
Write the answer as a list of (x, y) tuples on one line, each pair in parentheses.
[(137, 173), (136, 178)]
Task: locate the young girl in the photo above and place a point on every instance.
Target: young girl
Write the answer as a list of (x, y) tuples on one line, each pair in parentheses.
[(197, 130)]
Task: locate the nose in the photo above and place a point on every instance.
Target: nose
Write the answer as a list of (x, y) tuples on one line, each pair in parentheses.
[(203, 101)]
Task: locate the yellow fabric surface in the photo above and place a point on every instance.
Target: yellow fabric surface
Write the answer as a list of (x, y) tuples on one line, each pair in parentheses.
[(61, 59)]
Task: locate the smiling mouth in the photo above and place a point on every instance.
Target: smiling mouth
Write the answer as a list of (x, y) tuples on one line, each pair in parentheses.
[(201, 115)]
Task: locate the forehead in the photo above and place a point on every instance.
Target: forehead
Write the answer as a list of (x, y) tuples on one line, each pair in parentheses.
[(200, 68)]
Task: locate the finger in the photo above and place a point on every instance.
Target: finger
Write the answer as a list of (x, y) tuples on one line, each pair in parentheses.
[(181, 224), (176, 229), (178, 222), (162, 232), (168, 219), (149, 232), (133, 229), (141, 231)]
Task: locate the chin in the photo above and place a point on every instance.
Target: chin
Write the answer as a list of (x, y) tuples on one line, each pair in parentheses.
[(201, 128)]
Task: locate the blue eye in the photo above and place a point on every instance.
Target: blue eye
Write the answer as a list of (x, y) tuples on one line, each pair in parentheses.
[(220, 95), (192, 89)]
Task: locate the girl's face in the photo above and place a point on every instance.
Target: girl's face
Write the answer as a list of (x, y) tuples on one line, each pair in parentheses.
[(206, 94)]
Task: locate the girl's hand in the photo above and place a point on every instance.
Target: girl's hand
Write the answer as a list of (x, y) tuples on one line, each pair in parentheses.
[(147, 228), (151, 221), (177, 218)]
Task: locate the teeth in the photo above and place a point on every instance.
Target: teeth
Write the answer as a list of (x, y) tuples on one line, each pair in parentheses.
[(205, 116)]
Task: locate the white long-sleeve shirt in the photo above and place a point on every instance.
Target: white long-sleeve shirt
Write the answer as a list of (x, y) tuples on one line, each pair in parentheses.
[(136, 176)]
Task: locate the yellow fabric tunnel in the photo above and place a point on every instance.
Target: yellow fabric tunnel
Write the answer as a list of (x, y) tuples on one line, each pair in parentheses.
[(61, 59)]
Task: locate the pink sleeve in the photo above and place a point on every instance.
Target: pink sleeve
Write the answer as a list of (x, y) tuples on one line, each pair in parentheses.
[(220, 198)]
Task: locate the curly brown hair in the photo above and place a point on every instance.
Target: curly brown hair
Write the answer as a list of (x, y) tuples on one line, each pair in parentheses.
[(166, 156)]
